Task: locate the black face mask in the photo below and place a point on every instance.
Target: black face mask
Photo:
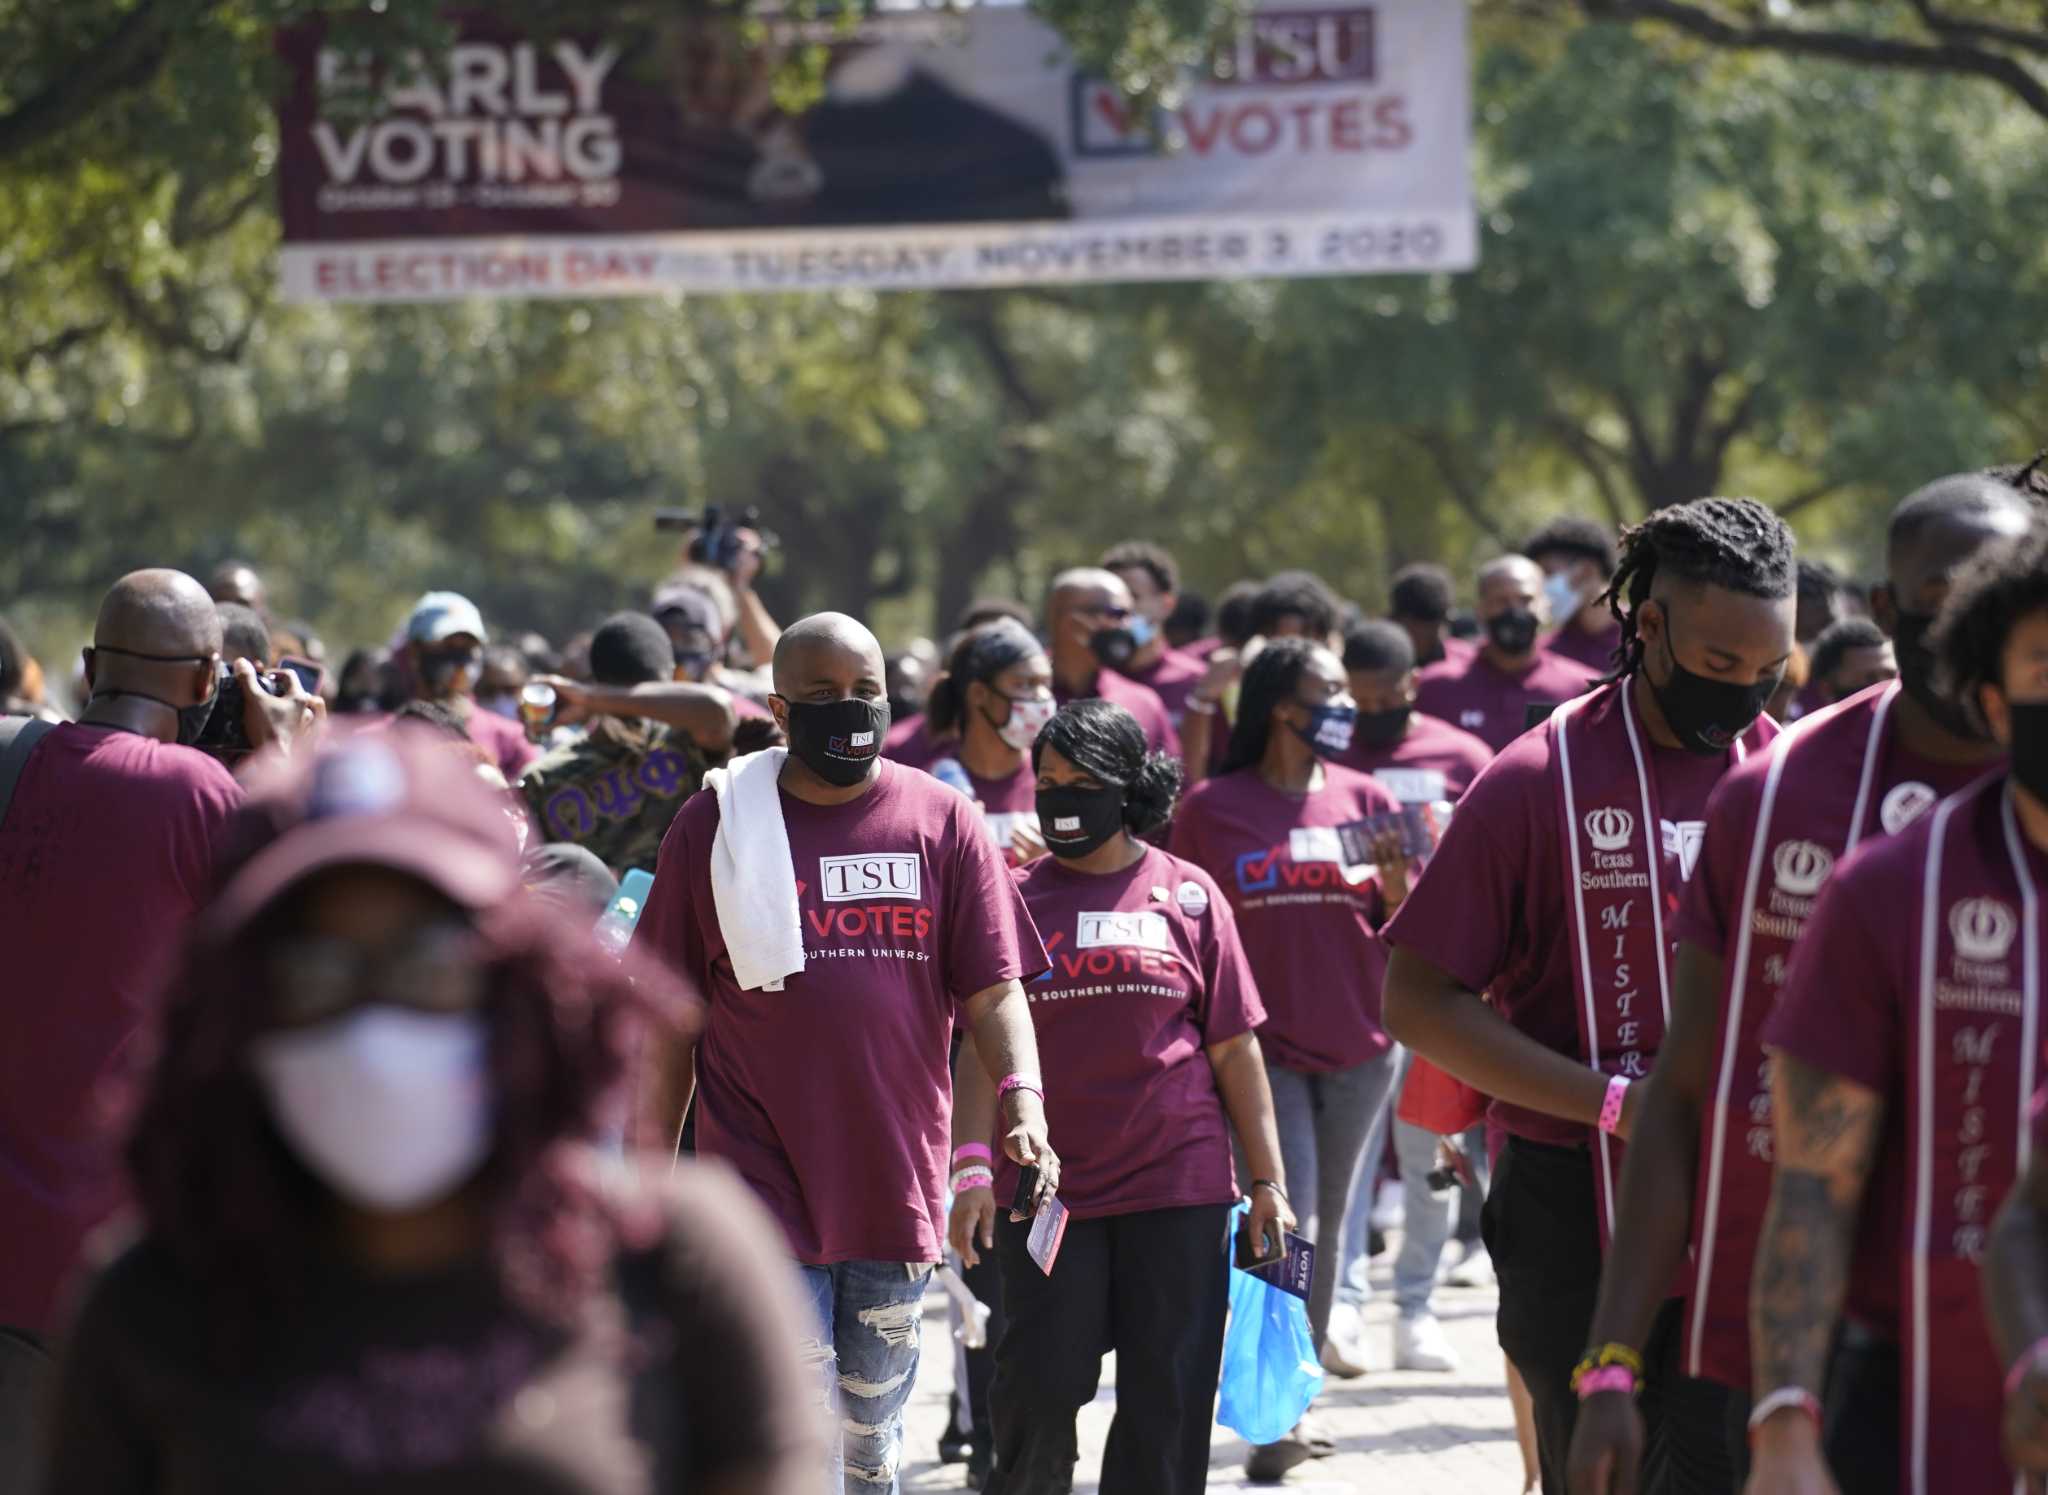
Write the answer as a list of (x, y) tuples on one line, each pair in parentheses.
[(1113, 646), (438, 672), (192, 720), (2030, 746), (1514, 631), (1708, 716), (838, 741), (1916, 676), (1076, 822), (1382, 729)]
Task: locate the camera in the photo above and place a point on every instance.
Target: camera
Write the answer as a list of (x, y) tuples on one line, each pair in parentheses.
[(717, 541), (226, 733)]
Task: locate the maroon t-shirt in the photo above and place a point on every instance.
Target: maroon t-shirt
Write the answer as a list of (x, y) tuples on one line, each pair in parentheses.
[(504, 739), (1474, 695), (1493, 910), (1172, 677), (1593, 650), (1003, 801), (106, 856), (832, 1096), (1906, 786), (1147, 972), (1310, 925), (1140, 700), (1434, 761)]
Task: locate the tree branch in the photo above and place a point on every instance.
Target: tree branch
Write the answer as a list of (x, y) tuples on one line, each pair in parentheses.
[(1597, 457), (56, 347), (1988, 32), (1464, 492), (1806, 498), (1842, 46), (125, 58)]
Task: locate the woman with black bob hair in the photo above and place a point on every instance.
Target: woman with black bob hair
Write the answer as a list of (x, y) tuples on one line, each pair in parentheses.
[(375, 1246), (1145, 1029), (1266, 829), (989, 707)]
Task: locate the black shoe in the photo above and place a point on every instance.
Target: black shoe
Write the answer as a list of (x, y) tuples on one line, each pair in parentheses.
[(979, 1461), (1375, 1242), (955, 1447)]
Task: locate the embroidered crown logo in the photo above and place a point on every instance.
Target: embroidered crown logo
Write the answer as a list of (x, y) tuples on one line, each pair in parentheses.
[(1610, 829), (1801, 867), (1983, 929)]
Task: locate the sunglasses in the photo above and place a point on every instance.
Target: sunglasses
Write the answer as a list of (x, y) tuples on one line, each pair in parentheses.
[(315, 978)]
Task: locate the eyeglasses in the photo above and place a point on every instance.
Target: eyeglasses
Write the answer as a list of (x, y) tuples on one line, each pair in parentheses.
[(1114, 614), (315, 978)]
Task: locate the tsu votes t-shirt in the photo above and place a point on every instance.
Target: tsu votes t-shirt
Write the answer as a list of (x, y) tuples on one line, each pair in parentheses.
[(1434, 761), (1492, 908), (1308, 922), (832, 1097), (1474, 695), (1147, 972)]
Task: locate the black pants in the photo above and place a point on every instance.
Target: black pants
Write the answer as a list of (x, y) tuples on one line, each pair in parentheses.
[(970, 1402), (1543, 1232), (1862, 1423), (1152, 1286)]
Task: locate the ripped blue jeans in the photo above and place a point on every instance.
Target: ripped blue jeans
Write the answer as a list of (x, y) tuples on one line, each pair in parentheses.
[(871, 1317)]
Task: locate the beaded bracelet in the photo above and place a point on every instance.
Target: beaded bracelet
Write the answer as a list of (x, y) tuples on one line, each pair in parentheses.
[(973, 1178), (1610, 1356), (1596, 1379)]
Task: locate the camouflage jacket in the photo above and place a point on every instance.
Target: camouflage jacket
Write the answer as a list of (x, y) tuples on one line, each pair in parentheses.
[(615, 790)]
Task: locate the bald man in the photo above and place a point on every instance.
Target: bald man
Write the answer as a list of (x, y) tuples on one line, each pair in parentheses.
[(106, 854), (1088, 616), (1489, 693), (237, 581), (828, 1090)]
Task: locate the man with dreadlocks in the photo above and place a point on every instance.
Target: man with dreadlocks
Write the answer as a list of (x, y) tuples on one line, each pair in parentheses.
[(1553, 891), (1776, 829)]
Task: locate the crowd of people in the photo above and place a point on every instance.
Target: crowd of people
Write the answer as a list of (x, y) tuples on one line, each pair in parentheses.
[(477, 1064)]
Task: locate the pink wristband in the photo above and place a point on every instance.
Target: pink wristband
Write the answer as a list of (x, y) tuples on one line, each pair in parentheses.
[(1610, 1108), (973, 1150), (1607, 1378), (1019, 1082), (2029, 1358)]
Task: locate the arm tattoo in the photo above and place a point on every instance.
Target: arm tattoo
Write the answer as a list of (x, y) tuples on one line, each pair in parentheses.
[(1827, 1141)]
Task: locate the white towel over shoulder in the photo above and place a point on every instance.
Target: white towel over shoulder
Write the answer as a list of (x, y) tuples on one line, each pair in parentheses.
[(753, 877)]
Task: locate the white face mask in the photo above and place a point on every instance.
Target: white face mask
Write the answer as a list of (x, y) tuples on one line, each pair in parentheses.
[(1027, 720), (1563, 597), (390, 1108)]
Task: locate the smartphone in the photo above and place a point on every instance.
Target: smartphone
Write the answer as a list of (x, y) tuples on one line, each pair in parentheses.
[(311, 676), (1251, 1255), (1027, 1190)]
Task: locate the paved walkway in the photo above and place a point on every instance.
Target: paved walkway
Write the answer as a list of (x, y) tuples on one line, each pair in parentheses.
[(1402, 1432)]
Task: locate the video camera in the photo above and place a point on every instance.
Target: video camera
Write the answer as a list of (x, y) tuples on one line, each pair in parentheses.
[(717, 540)]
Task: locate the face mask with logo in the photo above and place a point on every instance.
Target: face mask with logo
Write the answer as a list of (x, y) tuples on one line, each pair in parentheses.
[(1329, 729), (1075, 822), (390, 1108), (1382, 729), (1563, 597), (1514, 631), (838, 741), (1707, 716), (1026, 720), (1113, 646), (1917, 669)]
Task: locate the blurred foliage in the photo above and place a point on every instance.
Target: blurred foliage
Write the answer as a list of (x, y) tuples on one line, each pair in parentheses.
[(1702, 270)]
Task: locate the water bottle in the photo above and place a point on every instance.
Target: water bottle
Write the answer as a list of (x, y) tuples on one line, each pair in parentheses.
[(616, 925), (949, 772)]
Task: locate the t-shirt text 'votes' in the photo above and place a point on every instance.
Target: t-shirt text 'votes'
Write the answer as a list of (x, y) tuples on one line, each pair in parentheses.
[(1311, 861), (868, 901), (1132, 949)]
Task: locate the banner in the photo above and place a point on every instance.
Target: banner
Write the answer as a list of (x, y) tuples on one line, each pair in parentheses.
[(949, 149)]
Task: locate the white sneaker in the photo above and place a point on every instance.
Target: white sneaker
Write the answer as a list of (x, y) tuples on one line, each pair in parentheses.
[(1346, 1359), (1473, 1269), (1421, 1344), (1389, 1206)]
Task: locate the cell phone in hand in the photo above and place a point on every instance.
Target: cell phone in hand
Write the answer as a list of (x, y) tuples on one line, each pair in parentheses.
[(1251, 1254), (1027, 1191), (310, 675)]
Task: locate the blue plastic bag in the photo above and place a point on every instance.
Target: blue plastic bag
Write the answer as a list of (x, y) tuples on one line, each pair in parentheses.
[(1270, 1368)]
